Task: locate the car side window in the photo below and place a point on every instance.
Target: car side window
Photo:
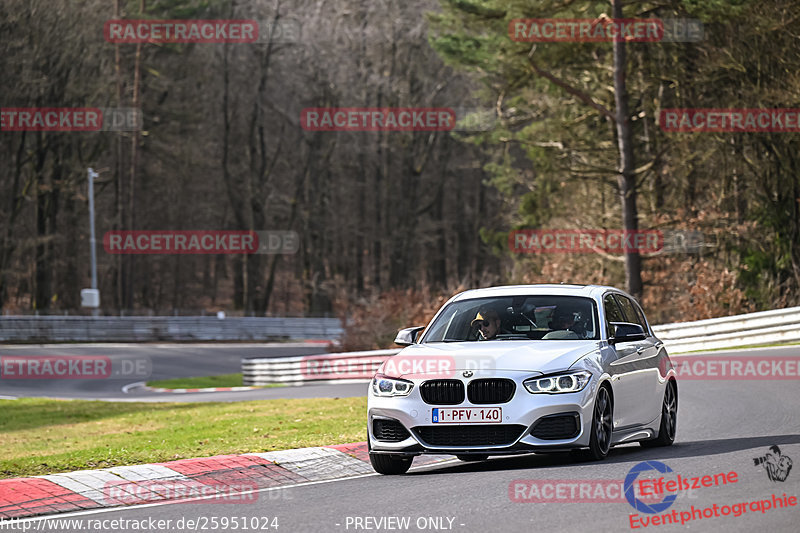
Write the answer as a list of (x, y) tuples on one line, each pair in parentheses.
[(629, 311), (642, 317), (613, 313)]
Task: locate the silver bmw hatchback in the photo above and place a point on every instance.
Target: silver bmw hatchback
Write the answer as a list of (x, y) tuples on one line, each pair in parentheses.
[(521, 369)]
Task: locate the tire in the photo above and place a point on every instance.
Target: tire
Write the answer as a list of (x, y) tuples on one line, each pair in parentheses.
[(390, 464), (669, 419), (472, 458), (602, 425)]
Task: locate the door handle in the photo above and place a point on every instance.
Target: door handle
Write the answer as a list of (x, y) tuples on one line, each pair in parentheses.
[(640, 350)]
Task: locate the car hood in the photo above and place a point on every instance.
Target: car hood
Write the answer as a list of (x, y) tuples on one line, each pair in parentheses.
[(525, 356)]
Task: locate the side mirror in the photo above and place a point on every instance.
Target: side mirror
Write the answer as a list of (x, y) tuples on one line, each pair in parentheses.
[(626, 332), (408, 336)]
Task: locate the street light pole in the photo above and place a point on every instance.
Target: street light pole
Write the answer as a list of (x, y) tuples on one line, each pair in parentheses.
[(92, 240), (91, 297)]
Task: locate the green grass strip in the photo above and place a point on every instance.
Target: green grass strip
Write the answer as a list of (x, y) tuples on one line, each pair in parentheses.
[(202, 382), (42, 436)]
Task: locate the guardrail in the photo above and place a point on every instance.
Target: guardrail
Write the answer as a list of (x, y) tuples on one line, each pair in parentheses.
[(350, 367), (165, 328), (767, 327)]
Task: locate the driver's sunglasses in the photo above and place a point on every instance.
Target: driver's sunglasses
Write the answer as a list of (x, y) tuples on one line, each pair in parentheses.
[(485, 324)]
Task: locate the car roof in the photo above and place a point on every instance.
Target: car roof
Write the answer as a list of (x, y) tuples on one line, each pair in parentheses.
[(561, 289)]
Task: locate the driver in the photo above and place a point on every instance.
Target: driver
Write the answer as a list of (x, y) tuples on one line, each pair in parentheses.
[(488, 323)]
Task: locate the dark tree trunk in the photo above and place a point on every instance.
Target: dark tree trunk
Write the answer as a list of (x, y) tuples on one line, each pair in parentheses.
[(627, 176)]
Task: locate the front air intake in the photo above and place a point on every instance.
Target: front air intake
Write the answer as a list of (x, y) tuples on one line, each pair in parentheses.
[(557, 427)]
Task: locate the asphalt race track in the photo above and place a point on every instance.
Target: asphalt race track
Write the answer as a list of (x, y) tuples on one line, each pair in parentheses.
[(722, 427), (163, 361)]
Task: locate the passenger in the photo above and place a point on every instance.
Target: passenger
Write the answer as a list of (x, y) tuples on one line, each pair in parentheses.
[(561, 325), (562, 320)]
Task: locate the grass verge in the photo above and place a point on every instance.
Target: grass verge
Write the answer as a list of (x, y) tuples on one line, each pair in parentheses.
[(202, 382), (41, 436)]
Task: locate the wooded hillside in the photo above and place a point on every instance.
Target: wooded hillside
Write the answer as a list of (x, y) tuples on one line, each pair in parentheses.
[(396, 220)]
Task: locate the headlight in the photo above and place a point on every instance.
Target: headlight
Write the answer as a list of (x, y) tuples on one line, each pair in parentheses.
[(384, 386), (557, 383)]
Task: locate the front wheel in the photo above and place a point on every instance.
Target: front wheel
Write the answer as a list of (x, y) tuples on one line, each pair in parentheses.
[(669, 419), (602, 425), (390, 464)]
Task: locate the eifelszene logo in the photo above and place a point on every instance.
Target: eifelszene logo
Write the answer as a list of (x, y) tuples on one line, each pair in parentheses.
[(638, 504)]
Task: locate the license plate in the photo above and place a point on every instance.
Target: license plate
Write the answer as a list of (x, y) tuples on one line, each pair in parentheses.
[(467, 415)]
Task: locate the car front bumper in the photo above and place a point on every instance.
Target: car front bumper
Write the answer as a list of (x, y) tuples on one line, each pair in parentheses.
[(524, 411)]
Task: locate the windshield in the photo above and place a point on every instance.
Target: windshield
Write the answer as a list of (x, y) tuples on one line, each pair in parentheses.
[(516, 318)]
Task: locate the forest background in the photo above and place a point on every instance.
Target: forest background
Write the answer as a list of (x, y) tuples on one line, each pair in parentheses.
[(563, 135)]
